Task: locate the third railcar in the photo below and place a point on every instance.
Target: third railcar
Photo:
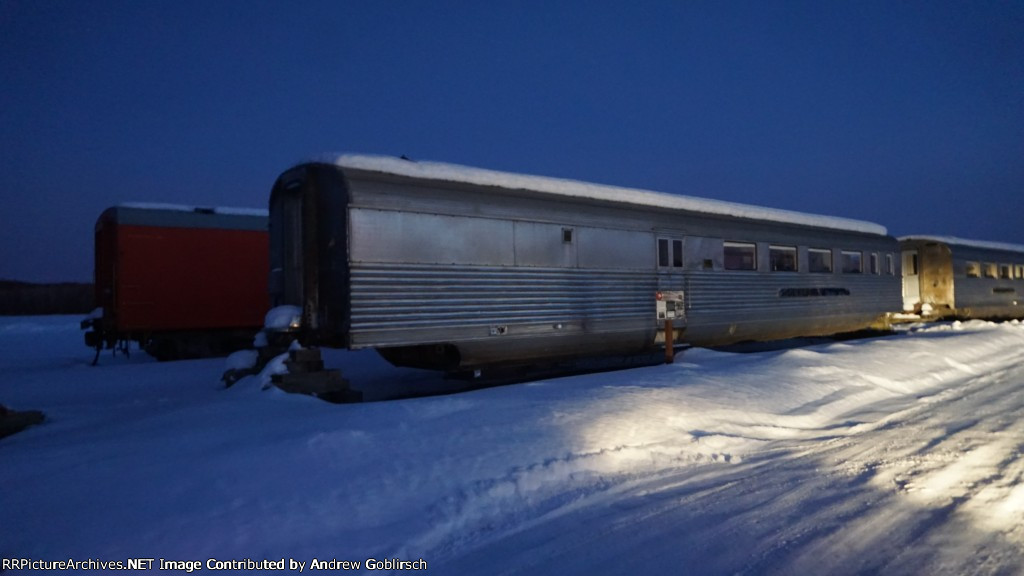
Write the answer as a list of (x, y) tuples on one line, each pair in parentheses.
[(447, 267), (947, 277)]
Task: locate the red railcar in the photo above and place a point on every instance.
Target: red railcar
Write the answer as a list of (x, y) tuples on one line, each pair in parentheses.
[(183, 282)]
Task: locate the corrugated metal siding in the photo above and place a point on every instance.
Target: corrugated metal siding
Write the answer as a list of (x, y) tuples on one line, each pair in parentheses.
[(726, 307), (978, 298), (396, 304), (393, 296), (740, 294)]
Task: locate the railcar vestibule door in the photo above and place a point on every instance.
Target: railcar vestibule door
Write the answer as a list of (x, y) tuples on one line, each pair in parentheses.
[(287, 246), (911, 281)]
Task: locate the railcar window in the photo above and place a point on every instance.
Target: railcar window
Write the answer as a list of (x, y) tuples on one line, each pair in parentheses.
[(910, 266), (890, 265), (973, 270), (740, 256), (990, 270), (819, 260), (1020, 272), (567, 235), (670, 253), (874, 263), (782, 258), (1004, 272), (851, 262)]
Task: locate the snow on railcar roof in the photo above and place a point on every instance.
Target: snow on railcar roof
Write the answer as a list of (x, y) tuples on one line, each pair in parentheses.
[(966, 242), (579, 189), (226, 210)]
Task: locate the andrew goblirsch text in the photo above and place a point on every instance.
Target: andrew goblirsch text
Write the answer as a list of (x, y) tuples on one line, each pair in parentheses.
[(189, 566)]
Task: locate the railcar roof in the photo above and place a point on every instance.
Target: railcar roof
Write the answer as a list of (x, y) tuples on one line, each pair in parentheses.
[(232, 211), (966, 242), (564, 187), (180, 216)]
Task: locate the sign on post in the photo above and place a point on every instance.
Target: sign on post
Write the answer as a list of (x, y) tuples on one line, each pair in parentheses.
[(669, 306)]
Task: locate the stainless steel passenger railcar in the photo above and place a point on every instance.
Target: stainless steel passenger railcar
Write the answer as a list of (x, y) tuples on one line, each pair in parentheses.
[(957, 278), (448, 267)]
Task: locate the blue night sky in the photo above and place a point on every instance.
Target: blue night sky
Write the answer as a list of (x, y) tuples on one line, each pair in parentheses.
[(909, 114)]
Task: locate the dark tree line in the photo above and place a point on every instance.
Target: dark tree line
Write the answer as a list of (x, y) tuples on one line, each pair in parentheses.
[(27, 299)]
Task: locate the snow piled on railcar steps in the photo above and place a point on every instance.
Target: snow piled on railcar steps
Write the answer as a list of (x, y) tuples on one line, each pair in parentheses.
[(897, 455), (283, 317), (565, 187)]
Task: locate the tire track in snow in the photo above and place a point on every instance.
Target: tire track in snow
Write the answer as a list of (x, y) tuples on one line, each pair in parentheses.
[(501, 505), (931, 473), (846, 502)]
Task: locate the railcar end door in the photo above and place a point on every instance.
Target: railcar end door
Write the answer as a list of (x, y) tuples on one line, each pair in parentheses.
[(911, 281)]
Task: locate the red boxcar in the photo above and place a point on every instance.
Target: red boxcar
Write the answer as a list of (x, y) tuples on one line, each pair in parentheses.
[(183, 282)]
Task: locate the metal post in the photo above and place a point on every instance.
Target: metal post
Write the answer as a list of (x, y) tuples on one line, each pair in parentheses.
[(670, 351)]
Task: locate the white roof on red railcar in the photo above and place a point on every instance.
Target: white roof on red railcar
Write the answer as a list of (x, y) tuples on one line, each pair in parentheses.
[(574, 188), (233, 211), (966, 242)]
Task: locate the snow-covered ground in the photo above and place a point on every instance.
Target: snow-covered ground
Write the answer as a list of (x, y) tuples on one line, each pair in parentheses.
[(897, 455)]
